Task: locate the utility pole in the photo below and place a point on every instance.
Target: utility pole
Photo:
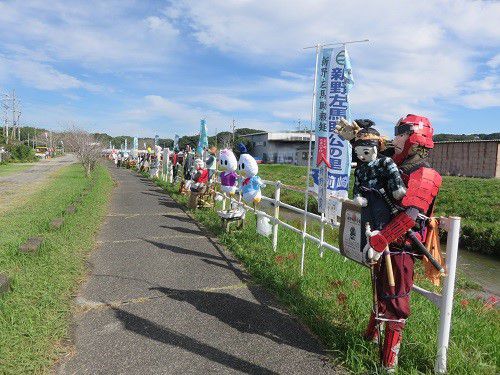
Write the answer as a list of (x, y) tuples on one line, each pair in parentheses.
[(18, 125), (299, 125), (233, 128), (5, 106), (13, 114)]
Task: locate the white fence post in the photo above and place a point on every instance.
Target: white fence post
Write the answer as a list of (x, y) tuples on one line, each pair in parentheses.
[(224, 201), (277, 195), (446, 307), (322, 235)]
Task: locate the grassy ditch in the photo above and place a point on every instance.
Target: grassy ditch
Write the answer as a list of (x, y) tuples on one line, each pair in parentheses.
[(476, 200), (35, 314), (334, 300)]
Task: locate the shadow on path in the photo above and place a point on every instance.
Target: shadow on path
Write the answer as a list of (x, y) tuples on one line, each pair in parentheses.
[(168, 336), (181, 250), (239, 273), (246, 316), (185, 219), (197, 232)]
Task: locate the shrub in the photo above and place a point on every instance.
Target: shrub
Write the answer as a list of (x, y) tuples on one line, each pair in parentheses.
[(21, 153)]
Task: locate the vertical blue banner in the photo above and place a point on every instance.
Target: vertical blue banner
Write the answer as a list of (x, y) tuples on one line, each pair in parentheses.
[(203, 141), (332, 178), (176, 142)]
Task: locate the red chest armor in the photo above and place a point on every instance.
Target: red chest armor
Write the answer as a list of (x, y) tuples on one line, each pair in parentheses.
[(422, 188)]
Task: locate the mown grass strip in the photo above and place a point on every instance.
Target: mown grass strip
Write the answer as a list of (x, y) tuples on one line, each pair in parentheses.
[(334, 300), (35, 314), (6, 169)]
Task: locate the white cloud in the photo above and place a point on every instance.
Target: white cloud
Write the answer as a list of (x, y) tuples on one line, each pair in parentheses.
[(481, 100), (42, 76), (102, 35), (494, 62), (419, 52), (162, 26), (482, 93), (223, 102), (182, 118), (420, 55)]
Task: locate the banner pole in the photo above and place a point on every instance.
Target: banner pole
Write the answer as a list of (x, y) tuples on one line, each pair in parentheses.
[(339, 43), (313, 106)]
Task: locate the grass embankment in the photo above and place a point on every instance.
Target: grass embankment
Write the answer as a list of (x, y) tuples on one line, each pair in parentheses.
[(334, 300), (6, 169), (35, 314), (476, 200)]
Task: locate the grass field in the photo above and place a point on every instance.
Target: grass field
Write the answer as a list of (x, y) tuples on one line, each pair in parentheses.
[(6, 169), (334, 300), (476, 200), (35, 314)]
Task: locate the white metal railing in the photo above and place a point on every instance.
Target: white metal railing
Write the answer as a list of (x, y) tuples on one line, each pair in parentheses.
[(451, 225)]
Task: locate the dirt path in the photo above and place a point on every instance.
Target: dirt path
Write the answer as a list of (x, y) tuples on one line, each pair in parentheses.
[(17, 186)]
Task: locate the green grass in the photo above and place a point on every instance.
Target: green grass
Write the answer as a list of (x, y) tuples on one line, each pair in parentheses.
[(334, 300), (476, 200), (35, 314), (6, 169)]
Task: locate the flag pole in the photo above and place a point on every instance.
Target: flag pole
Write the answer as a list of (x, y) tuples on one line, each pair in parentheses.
[(313, 107), (338, 43)]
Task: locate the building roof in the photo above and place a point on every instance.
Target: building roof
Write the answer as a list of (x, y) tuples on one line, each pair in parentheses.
[(284, 136), (469, 141)]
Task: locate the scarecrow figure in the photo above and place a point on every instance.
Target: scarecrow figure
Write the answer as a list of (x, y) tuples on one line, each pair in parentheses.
[(375, 173), (211, 162), (251, 185), (200, 177), (228, 177), (401, 237)]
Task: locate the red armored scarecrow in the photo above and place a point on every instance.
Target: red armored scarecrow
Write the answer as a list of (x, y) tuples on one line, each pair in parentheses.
[(402, 238)]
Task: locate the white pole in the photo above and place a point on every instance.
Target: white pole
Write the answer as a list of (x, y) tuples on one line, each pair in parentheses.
[(313, 106), (277, 194), (224, 201), (322, 235), (448, 290)]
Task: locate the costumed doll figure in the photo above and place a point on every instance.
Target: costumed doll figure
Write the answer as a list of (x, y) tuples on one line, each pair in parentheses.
[(375, 171), (228, 177), (404, 232), (251, 185), (200, 177), (211, 162)]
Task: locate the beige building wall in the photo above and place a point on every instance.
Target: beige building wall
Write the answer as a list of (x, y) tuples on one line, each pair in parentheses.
[(497, 172), (475, 159)]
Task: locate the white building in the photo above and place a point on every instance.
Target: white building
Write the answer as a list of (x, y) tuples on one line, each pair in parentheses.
[(280, 147)]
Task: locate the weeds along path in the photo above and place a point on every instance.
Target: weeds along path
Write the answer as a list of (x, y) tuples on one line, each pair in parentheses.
[(35, 313), (17, 187)]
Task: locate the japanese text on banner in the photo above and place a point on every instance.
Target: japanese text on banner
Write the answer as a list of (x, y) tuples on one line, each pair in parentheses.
[(331, 172)]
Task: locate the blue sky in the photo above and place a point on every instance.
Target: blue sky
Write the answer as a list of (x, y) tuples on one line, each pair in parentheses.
[(145, 68)]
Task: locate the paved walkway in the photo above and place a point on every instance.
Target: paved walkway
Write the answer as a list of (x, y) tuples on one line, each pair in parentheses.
[(20, 185), (164, 298)]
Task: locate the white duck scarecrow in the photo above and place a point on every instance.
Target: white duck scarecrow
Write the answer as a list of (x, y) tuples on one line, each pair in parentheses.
[(251, 185), (228, 177)]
